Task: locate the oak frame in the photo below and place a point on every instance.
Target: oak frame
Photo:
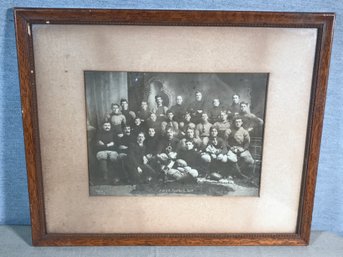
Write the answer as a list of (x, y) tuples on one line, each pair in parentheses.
[(25, 18)]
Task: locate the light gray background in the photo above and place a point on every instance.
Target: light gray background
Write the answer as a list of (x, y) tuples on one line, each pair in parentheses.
[(14, 208)]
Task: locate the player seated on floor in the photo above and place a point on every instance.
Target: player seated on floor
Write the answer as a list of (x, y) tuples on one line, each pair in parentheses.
[(167, 149), (151, 142), (137, 167), (183, 168), (214, 153)]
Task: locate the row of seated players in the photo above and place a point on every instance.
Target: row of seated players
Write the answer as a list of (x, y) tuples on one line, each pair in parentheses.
[(141, 157), (250, 122)]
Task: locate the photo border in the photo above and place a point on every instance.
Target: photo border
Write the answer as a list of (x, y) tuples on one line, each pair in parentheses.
[(25, 18)]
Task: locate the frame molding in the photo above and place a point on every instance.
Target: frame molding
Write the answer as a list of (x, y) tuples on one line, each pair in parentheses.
[(25, 18)]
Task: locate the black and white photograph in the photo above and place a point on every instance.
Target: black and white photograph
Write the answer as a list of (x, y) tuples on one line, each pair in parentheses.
[(175, 134)]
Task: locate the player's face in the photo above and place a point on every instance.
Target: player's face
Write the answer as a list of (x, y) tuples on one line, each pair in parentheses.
[(238, 123), (204, 117), (115, 109), (127, 130), (179, 100), (223, 116), (190, 133), (235, 99), (106, 126), (159, 100), (144, 105), (216, 102), (244, 108), (198, 96), (140, 138), (125, 105), (170, 116), (187, 117), (170, 134), (138, 122), (189, 145), (153, 117), (151, 132), (214, 132)]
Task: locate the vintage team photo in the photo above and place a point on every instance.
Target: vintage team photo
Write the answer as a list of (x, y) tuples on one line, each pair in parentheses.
[(175, 133)]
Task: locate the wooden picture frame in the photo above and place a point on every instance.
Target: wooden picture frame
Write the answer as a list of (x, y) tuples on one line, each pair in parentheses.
[(27, 19)]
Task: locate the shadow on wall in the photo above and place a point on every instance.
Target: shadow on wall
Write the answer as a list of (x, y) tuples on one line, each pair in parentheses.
[(14, 203)]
